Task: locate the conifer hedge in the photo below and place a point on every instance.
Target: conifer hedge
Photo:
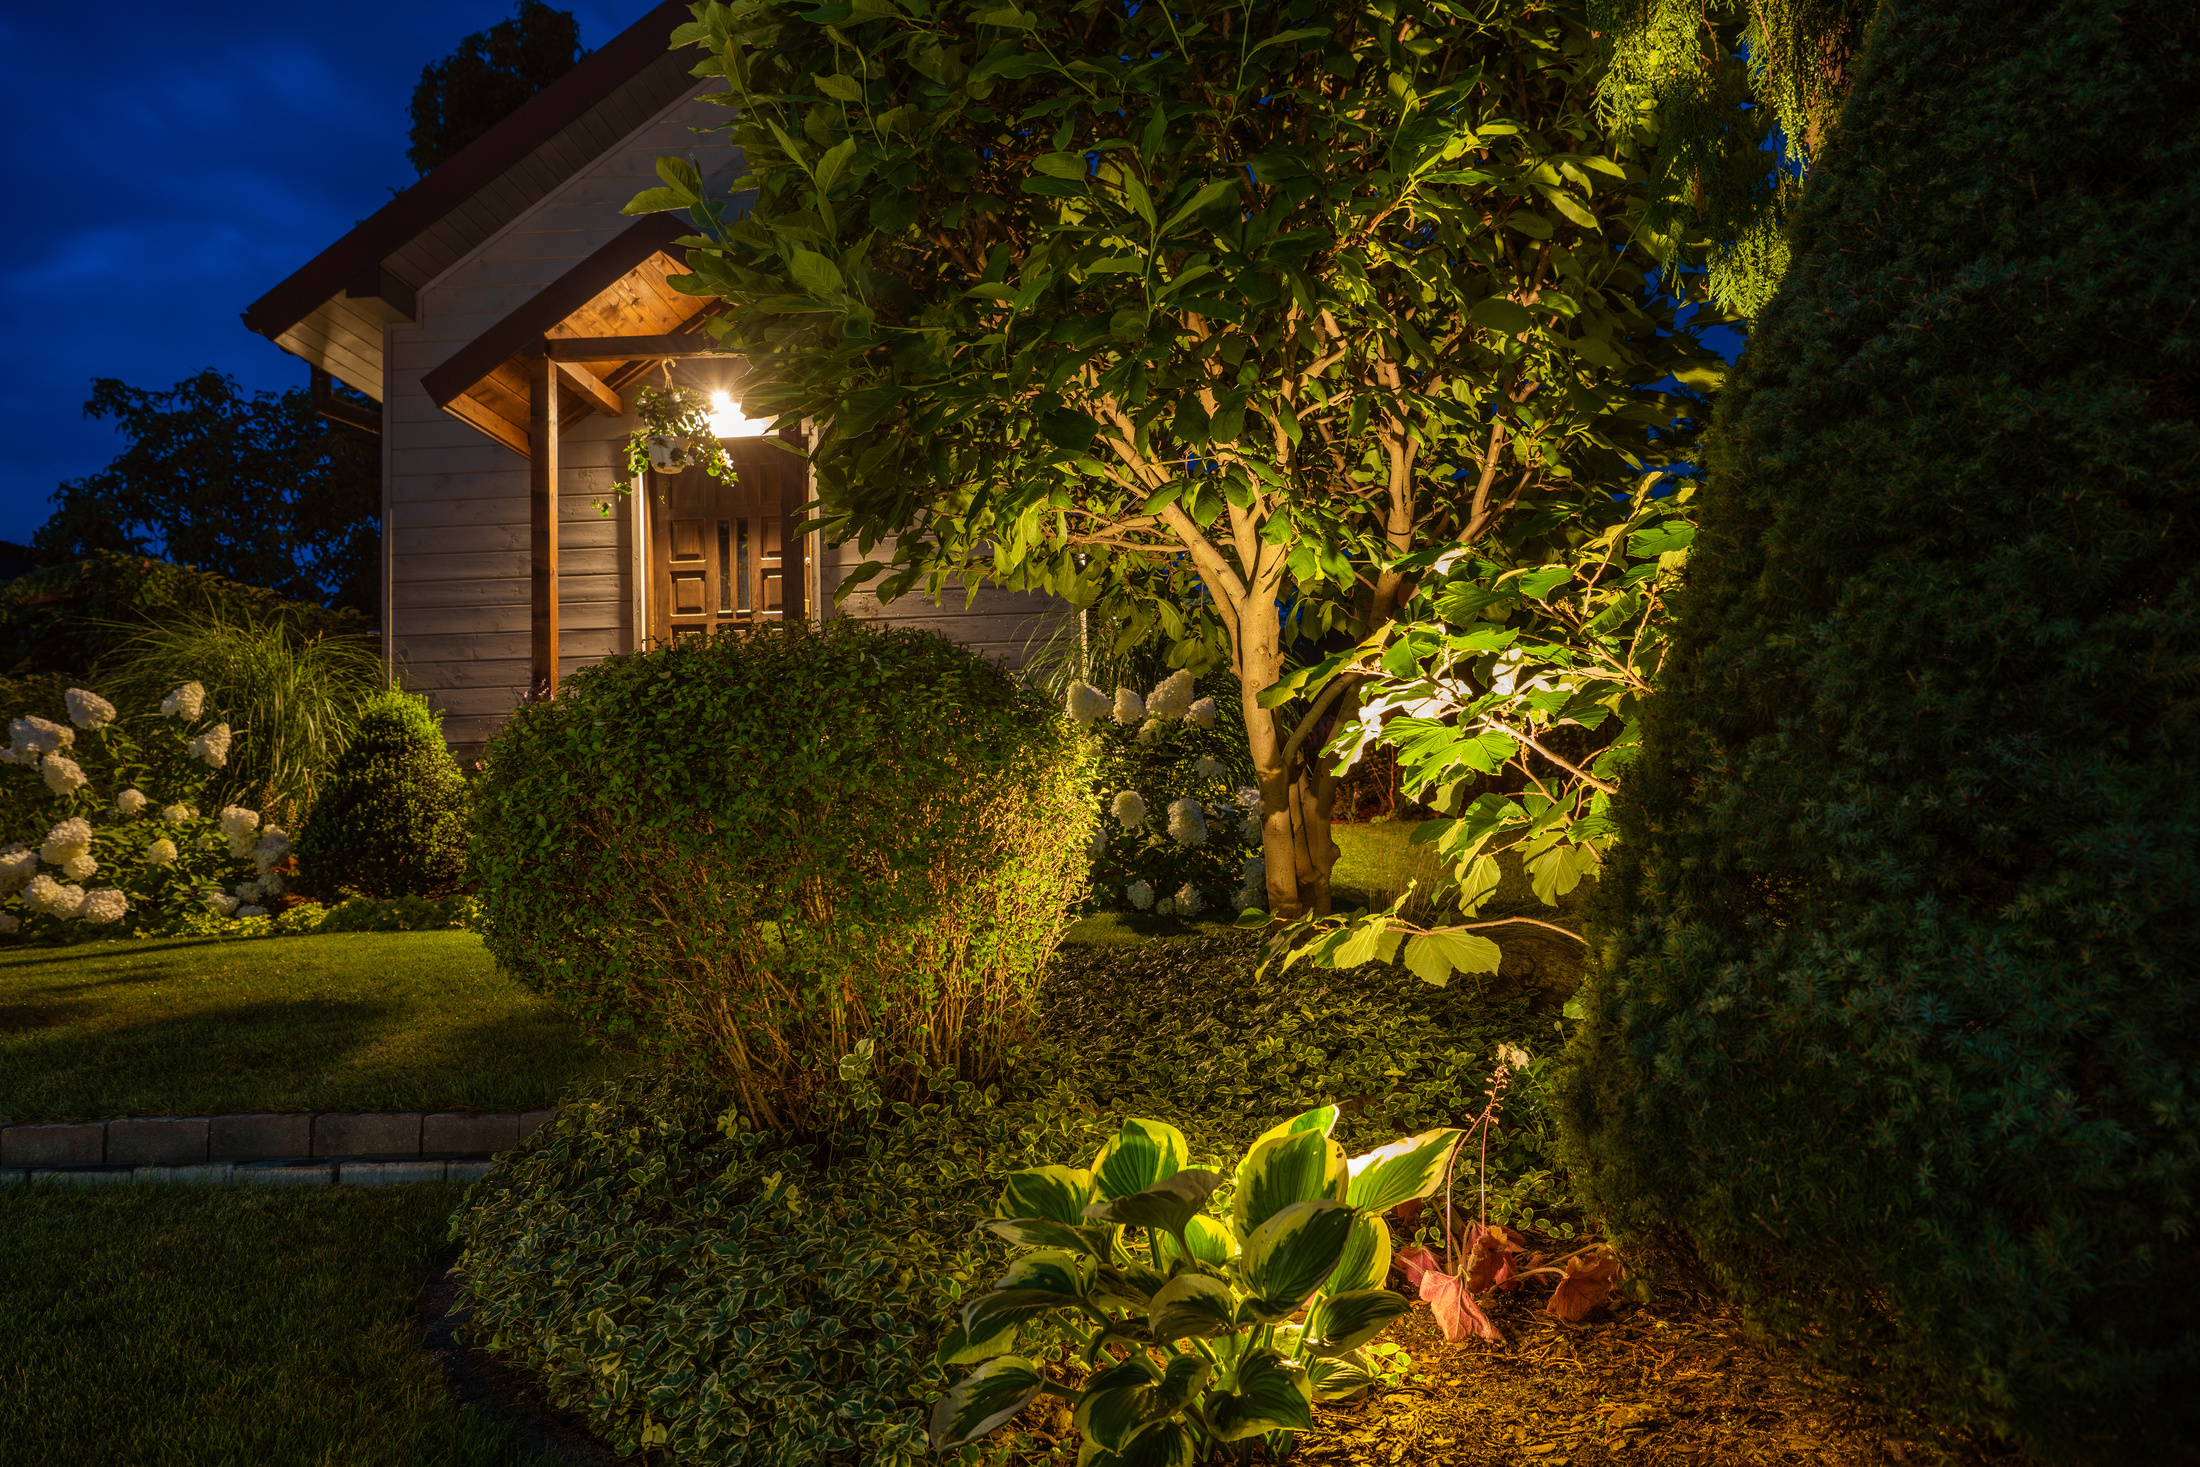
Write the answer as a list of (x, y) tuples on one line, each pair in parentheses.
[(1896, 1015), (393, 818)]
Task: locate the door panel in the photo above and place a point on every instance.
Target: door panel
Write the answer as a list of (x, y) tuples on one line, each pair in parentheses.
[(718, 557)]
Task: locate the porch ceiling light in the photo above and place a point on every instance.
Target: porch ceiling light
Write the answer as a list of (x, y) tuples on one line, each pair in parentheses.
[(726, 420)]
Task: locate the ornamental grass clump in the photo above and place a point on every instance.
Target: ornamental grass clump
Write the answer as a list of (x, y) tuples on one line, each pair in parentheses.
[(748, 856)]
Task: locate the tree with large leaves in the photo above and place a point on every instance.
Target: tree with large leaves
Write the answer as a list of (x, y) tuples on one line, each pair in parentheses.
[(1235, 322)]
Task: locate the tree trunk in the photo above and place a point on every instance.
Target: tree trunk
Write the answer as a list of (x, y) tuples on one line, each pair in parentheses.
[(1295, 804)]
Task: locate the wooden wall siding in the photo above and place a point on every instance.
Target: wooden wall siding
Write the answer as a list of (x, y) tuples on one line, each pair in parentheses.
[(343, 337), (459, 615), (1003, 626)]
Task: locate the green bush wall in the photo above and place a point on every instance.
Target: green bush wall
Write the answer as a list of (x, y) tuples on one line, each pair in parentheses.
[(1896, 1013), (392, 821)]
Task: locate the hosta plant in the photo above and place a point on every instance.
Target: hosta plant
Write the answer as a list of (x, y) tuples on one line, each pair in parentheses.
[(1191, 1337)]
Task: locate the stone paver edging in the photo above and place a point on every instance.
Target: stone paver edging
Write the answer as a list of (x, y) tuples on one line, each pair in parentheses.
[(281, 1149)]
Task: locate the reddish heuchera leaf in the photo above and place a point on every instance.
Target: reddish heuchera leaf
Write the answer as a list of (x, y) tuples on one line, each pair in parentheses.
[(1456, 1312), (1489, 1258), (1587, 1283), (1415, 1261)]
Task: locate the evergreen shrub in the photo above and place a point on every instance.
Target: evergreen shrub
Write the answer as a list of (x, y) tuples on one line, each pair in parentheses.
[(1898, 1016), (753, 854), (392, 819)]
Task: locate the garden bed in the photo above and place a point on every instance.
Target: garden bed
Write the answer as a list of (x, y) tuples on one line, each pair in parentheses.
[(415, 1021)]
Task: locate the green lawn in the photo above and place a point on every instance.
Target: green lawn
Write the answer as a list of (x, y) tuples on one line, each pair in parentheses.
[(350, 1021), (182, 1327)]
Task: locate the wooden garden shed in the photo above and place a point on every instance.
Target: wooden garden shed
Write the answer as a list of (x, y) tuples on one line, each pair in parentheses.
[(499, 312)]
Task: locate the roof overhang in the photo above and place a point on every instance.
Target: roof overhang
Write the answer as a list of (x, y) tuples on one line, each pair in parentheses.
[(332, 310), (602, 324)]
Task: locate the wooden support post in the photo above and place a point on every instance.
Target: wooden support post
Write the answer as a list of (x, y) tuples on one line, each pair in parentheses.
[(542, 516)]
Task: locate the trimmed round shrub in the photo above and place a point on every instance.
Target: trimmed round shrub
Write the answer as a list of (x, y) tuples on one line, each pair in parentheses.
[(392, 820), (1898, 1017), (752, 855)]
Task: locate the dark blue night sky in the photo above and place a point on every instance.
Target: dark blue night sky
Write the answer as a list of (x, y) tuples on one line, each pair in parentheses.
[(169, 163)]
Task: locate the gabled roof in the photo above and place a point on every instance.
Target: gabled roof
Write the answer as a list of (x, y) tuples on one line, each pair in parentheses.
[(332, 310)]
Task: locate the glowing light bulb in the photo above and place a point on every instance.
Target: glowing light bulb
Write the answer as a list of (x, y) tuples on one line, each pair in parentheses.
[(726, 420)]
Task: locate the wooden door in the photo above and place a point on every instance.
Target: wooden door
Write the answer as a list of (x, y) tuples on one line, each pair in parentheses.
[(720, 556)]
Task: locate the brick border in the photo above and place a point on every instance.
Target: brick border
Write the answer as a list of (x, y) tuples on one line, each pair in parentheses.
[(319, 1148), (178, 1141)]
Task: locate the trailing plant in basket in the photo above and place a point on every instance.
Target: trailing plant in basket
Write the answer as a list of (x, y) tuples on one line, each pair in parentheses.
[(1197, 1337)]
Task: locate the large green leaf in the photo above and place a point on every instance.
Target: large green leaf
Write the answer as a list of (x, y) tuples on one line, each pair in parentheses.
[(958, 1348), (989, 1313), (1163, 1444), (1287, 1257), (1322, 1118), (1058, 1193), (1133, 1283), (1340, 1378), (1169, 1204), (1273, 1394), (1056, 1270), (1401, 1171), (1040, 1232), (983, 1400), (1347, 1321), (1366, 1260), (1300, 1166), (1211, 1239), (1138, 1156), (1192, 1306), (1119, 1402)]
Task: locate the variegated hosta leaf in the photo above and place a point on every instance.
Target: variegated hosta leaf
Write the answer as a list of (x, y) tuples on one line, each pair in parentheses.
[(958, 1348), (1287, 1257), (1056, 1193), (1339, 1379), (1273, 1394), (1192, 1306), (1346, 1321), (1138, 1156), (1169, 1205), (1280, 1170), (1401, 1171), (983, 1400), (1042, 1232), (1366, 1260), (1211, 1240)]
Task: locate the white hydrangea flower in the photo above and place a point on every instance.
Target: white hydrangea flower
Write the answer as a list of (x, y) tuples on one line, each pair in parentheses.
[(9, 922), (1129, 707), (1140, 893), (39, 735), (1201, 714), (1129, 809), (1189, 903), (252, 911), (80, 868), (1086, 703), (47, 895), (1513, 1057), (222, 902), (72, 837), (1252, 889), (176, 814), (161, 852), (1248, 796), (1209, 767), (63, 775), (274, 844), (87, 710), (1249, 828), (271, 885), (1172, 697), (1166, 907), (238, 824), (7, 756), (1150, 730), (18, 864), (129, 802), (107, 904), (247, 891), (1096, 845), (1187, 823), (212, 747), (186, 702)]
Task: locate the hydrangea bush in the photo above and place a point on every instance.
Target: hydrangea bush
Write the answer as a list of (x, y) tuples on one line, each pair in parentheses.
[(106, 830), (1179, 832)]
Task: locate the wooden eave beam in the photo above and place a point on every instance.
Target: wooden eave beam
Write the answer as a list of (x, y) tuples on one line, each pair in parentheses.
[(591, 388), (631, 348)]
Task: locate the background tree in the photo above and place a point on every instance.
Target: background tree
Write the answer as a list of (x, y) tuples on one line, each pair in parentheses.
[(1229, 322), (1898, 1018), (259, 489), (482, 82)]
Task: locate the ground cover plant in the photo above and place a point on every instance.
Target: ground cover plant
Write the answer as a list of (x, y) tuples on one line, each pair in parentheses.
[(360, 1021), (150, 1326), (680, 851), (1897, 1014), (1225, 323)]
